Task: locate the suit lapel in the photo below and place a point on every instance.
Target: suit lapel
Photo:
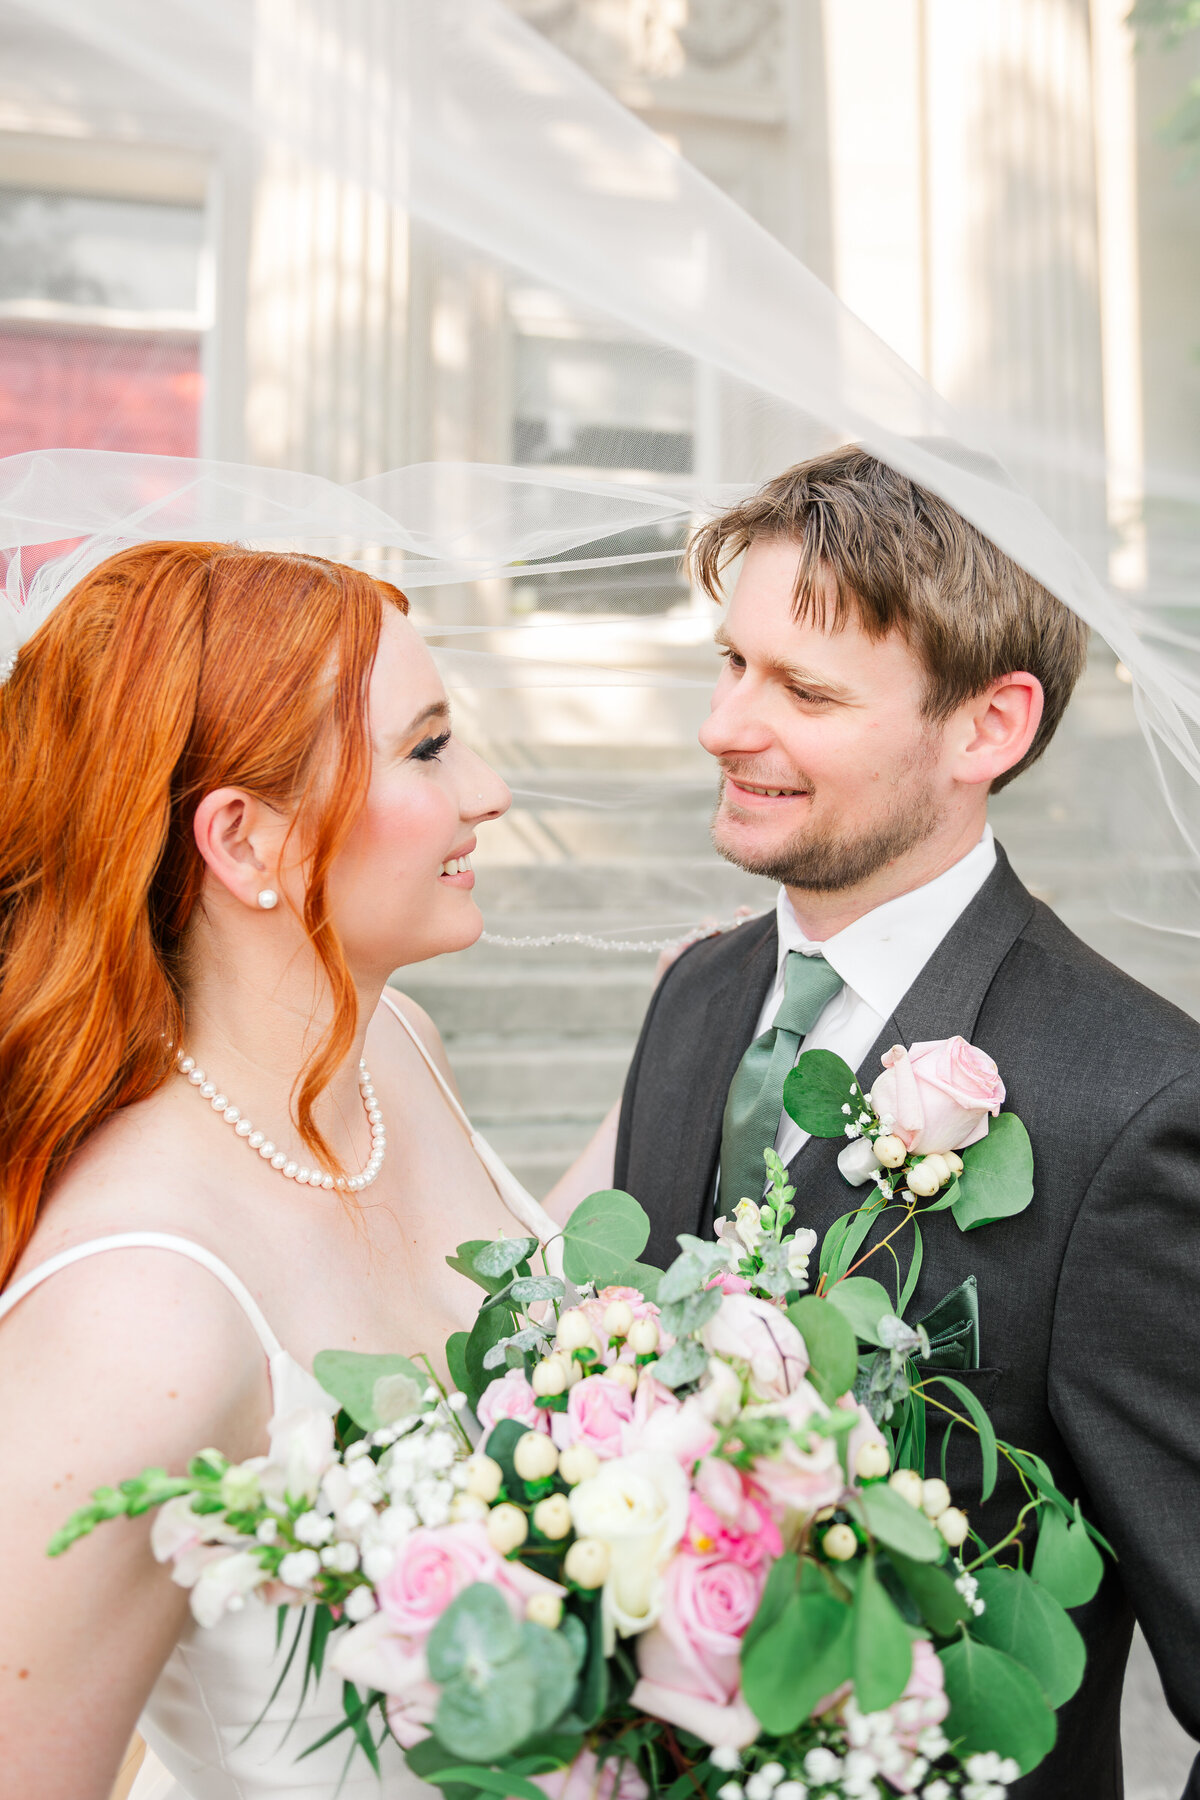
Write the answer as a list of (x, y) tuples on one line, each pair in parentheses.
[(730, 1014), (944, 1001)]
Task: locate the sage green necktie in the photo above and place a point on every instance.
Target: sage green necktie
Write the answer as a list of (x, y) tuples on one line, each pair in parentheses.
[(756, 1092)]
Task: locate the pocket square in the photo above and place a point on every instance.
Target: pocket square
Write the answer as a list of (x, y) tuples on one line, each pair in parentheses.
[(953, 1329)]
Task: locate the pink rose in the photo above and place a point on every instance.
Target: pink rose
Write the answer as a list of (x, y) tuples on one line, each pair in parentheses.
[(938, 1096), (662, 1422), (431, 1569), (510, 1398), (598, 1410), (729, 1517), (729, 1283), (805, 1473), (586, 1779), (753, 1331), (689, 1660)]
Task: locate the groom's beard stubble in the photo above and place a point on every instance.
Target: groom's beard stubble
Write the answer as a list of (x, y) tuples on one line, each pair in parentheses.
[(825, 860)]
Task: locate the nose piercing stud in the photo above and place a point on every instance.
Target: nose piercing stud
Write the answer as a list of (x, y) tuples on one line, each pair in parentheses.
[(268, 898)]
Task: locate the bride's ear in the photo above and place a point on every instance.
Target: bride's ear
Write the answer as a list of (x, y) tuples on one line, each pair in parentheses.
[(239, 839)]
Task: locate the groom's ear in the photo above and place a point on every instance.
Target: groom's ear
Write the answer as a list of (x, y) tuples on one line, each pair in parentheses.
[(991, 732)]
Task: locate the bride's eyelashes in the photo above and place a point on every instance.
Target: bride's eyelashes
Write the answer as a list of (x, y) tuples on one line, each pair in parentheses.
[(429, 749)]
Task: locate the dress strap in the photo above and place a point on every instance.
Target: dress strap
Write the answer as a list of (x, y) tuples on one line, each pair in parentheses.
[(147, 1240), (519, 1201)]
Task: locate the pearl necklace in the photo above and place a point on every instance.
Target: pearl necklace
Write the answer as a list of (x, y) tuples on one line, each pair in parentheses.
[(279, 1159)]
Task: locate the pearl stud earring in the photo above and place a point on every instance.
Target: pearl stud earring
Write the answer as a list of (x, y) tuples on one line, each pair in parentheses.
[(268, 898)]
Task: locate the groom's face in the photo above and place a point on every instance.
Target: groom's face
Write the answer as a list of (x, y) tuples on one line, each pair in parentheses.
[(829, 768)]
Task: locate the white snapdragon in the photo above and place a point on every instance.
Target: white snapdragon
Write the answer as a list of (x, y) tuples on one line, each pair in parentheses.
[(241, 1489), (747, 1222), (224, 1584), (800, 1247)]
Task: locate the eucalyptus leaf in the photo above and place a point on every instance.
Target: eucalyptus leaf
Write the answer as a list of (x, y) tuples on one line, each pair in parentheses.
[(502, 1255), (1066, 1562), (489, 1716), (862, 1303), (463, 1261), (532, 1337), (882, 1653), (487, 1331), (353, 1378), (816, 1090), (644, 1277), (890, 1518), (997, 1175), (605, 1233), (681, 1317), (456, 1359), (938, 1600), (831, 1344), (528, 1288), (995, 1704), (682, 1363), (983, 1425), (1023, 1618), (549, 1656), (476, 1631), (685, 1276), (806, 1653)]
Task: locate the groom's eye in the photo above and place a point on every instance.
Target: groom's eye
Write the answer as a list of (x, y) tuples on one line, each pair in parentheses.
[(429, 749), (731, 657)]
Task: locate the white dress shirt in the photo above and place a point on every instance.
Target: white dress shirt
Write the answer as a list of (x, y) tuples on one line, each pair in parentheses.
[(878, 958)]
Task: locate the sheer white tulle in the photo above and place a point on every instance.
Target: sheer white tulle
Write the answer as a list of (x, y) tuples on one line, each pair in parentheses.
[(518, 165)]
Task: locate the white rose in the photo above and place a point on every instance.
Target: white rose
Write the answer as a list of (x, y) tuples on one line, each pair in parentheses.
[(301, 1452), (638, 1506), (223, 1585)]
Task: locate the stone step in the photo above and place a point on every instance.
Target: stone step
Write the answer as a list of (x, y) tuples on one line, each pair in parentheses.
[(518, 1077), (568, 1000)]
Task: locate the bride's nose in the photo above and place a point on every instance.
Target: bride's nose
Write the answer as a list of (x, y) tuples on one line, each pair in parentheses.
[(483, 794)]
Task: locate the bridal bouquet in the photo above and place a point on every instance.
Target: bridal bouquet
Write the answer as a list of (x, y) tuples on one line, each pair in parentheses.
[(667, 1533)]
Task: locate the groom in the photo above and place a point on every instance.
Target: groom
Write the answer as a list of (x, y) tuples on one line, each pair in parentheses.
[(886, 668)]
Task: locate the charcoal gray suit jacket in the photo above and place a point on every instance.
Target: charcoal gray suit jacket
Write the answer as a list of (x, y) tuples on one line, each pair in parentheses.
[(1089, 1301)]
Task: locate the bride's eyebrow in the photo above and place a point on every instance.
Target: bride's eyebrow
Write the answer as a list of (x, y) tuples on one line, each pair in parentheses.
[(438, 709)]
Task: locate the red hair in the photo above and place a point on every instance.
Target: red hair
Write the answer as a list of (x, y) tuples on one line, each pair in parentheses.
[(170, 670)]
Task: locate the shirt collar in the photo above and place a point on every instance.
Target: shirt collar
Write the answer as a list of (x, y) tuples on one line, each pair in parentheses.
[(880, 955)]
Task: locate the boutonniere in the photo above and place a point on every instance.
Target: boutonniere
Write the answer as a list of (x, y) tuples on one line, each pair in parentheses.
[(929, 1132)]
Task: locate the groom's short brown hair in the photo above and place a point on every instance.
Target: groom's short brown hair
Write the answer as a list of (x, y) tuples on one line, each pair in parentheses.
[(875, 547)]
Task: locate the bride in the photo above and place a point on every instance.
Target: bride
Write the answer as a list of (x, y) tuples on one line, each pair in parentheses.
[(231, 804)]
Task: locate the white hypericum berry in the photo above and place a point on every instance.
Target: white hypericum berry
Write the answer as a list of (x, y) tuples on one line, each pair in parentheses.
[(840, 1543), (507, 1528), (577, 1463), (544, 1609), (618, 1317), (587, 1563), (535, 1457), (549, 1377), (908, 1485), (625, 1374), (953, 1526), (552, 1516), (872, 1460), (574, 1331), (954, 1160), (467, 1509), (485, 1477), (935, 1498), (890, 1151), (359, 1605), (928, 1176), (643, 1337)]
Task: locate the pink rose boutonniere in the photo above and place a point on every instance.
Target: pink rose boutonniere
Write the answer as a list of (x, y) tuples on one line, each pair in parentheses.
[(931, 1129)]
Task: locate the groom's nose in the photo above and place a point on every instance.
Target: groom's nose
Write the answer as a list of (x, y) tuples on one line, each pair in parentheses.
[(737, 724)]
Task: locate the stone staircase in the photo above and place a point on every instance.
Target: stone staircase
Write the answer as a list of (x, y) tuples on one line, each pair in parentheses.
[(541, 1038)]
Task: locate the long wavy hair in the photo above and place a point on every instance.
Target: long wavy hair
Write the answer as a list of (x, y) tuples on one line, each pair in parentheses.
[(170, 670)]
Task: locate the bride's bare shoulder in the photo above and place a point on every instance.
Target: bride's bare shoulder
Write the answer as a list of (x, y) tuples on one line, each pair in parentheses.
[(388, 1043)]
